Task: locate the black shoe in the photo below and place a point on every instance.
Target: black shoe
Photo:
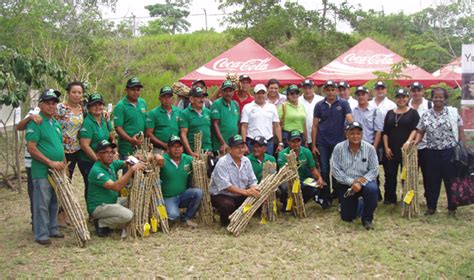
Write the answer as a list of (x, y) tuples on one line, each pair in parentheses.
[(57, 235), (368, 225), (101, 231), (430, 212), (43, 242)]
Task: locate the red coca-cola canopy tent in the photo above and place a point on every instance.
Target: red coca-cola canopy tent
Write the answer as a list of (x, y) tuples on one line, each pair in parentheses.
[(358, 64), (247, 57), (451, 73)]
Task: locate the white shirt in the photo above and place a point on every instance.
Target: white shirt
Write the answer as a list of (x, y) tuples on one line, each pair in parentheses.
[(260, 119), (281, 99), (384, 106), (422, 109), (309, 108), (352, 102)]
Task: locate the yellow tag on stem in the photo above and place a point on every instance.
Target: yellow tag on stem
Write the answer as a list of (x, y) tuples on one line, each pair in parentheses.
[(146, 229), (289, 204), (247, 208), (296, 186), (263, 221), (274, 206), (409, 197), (162, 212), (404, 174), (154, 224), (124, 192)]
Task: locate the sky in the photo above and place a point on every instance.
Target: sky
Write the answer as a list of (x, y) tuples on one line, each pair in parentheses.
[(127, 8)]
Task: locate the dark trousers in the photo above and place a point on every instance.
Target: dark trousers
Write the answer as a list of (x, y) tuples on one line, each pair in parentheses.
[(270, 145), (325, 152), (350, 204), (390, 168), (30, 190), (85, 167), (422, 166), (440, 167), (307, 191), (72, 159), (226, 205)]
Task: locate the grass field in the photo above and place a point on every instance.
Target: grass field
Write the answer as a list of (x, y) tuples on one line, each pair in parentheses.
[(320, 246)]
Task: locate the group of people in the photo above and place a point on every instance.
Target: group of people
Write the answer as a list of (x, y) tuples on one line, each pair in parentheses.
[(335, 134)]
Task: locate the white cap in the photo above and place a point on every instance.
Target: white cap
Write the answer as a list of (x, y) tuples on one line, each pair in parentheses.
[(260, 87)]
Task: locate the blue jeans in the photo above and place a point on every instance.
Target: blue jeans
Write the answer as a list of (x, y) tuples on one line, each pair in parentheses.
[(270, 146), (189, 199), (45, 210), (325, 152), (350, 204)]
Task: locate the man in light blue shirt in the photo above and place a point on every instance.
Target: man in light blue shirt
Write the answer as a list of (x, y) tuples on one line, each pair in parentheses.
[(355, 167), (368, 116)]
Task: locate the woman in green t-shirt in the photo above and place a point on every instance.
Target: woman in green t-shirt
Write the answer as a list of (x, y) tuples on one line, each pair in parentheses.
[(292, 115)]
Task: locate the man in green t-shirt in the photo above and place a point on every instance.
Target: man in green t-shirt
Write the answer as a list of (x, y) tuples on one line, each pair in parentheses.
[(174, 175), (129, 118), (103, 202), (45, 144), (225, 115), (259, 156), (307, 169), (162, 122), (194, 119)]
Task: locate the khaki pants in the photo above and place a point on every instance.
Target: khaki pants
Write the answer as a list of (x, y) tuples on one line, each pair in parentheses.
[(113, 215)]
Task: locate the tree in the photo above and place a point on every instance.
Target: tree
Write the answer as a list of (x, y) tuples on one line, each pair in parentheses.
[(171, 17), (19, 74)]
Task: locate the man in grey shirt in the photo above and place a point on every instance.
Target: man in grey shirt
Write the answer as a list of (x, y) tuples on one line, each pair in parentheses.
[(233, 180), (355, 167)]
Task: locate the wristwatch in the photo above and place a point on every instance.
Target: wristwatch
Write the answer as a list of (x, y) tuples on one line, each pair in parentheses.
[(281, 144)]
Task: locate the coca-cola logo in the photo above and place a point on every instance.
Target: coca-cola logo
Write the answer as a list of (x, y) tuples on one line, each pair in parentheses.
[(225, 64), (377, 59)]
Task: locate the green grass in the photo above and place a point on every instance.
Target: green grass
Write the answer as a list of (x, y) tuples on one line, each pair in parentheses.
[(320, 246)]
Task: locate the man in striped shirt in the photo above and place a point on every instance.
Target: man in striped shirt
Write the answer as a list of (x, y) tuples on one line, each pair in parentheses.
[(355, 167)]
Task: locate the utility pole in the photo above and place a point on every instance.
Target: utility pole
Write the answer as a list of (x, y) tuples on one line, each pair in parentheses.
[(134, 25), (205, 17)]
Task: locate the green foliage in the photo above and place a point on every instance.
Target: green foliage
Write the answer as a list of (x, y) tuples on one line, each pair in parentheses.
[(171, 18)]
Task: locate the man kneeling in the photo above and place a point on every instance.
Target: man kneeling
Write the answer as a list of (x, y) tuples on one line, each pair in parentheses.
[(355, 167), (233, 180), (103, 203), (174, 176)]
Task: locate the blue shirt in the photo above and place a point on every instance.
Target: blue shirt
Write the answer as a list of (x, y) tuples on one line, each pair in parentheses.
[(371, 120), (332, 118)]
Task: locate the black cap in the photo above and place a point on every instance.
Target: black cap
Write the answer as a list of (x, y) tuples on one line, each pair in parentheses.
[(401, 91), (292, 88), (361, 89), (227, 84), (343, 84), (95, 98), (235, 140), (102, 145), (174, 139), (330, 83), (134, 82), (307, 82), (352, 125), (50, 94), (417, 85), (244, 77), (260, 140), (380, 84), (295, 134), (196, 92), (166, 90), (198, 81)]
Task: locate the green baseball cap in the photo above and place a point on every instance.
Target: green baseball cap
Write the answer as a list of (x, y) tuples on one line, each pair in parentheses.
[(166, 90), (227, 84), (95, 98), (102, 145), (50, 94), (295, 134), (134, 82), (235, 140), (292, 88), (196, 92), (174, 139)]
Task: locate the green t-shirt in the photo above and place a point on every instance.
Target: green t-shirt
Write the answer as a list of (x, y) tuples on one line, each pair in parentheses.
[(164, 125), (131, 117), (95, 132), (194, 122), (100, 174), (295, 117), (48, 137), (305, 160), (257, 165), (174, 179), (228, 116)]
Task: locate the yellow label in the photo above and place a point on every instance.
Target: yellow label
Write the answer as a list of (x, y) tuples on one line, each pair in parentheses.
[(162, 212), (409, 197), (275, 206), (289, 204), (247, 208), (263, 221), (124, 192), (296, 186), (154, 224), (146, 229), (404, 173), (51, 181)]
